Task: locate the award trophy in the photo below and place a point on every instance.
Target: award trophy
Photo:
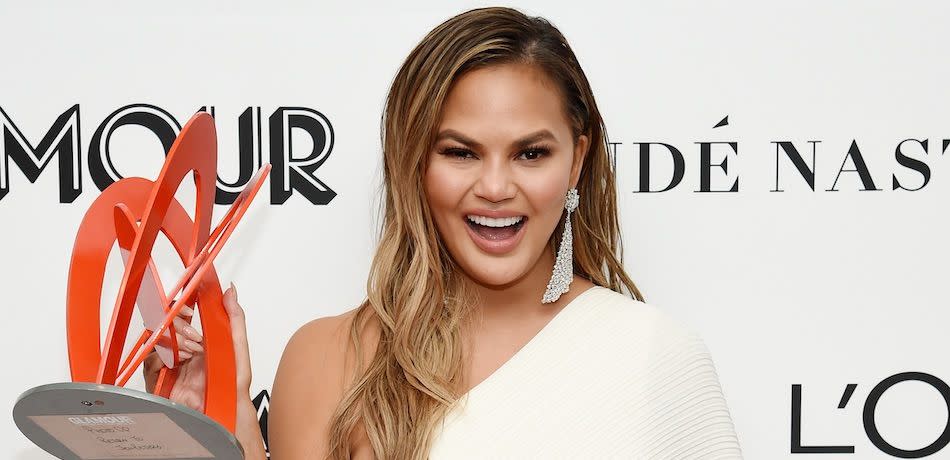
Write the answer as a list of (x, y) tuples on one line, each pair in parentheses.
[(94, 416)]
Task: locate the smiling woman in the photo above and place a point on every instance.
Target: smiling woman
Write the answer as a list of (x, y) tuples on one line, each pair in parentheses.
[(492, 327), (499, 320), (500, 167)]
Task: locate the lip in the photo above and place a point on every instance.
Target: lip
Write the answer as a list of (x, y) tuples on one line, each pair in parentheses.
[(491, 213), (496, 247)]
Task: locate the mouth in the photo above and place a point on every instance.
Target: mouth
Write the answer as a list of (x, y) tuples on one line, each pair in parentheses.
[(496, 235)]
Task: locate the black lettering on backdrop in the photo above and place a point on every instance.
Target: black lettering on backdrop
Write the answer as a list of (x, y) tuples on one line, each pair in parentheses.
[(870, 425), (911, 163), (792, 153), (155, 119), (249, 155), (63, 138), (612, 154), (705, 165), (860, 167), (262, 404), (869, 418), (293, 173), (679, 166), (797, 447)]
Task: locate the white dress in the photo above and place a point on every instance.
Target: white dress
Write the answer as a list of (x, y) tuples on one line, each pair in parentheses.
[(607, 377)]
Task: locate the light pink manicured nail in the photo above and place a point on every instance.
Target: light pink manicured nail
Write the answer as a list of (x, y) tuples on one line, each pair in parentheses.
[(192, 333)]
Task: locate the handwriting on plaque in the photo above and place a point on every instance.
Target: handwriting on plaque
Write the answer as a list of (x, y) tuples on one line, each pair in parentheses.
[(113, 436)]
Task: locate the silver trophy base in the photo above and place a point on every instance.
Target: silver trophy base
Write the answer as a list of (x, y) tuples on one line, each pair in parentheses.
[(85, 421)]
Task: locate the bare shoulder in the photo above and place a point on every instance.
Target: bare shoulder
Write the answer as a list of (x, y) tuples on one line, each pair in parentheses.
[(311, 379)]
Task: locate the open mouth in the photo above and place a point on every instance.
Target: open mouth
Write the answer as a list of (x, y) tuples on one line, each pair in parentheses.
[(495, 229)]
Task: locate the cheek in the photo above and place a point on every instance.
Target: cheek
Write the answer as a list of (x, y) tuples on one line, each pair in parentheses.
[(546, 194), (444, 191)]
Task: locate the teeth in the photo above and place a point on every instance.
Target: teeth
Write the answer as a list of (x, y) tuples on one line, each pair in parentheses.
[(492, 222)]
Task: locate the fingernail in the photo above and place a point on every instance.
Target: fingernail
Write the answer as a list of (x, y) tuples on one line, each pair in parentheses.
[(192, 333), (187, 311), (234, 289)]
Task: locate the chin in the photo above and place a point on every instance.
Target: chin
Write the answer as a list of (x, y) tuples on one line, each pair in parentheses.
[(493, 280), (495, 272)]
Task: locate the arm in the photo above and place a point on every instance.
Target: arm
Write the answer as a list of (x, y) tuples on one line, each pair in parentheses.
[(246, 428), (190, 386), (248, 431)]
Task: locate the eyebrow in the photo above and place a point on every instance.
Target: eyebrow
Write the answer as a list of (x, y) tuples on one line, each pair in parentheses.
[(525, 141)]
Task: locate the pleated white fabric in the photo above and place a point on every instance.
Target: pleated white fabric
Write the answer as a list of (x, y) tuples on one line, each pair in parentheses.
[(607, 377)]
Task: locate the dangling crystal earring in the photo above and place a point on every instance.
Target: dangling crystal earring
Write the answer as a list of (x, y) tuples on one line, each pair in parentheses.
[(564, 264)]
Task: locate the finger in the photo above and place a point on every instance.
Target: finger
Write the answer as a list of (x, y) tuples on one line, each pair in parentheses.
[(186, 311), (193, 347), (239, 337), (186, 329), (185, 344), (189, 345), (194, 402)]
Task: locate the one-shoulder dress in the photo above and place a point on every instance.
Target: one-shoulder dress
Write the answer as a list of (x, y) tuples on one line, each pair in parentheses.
[(607, 377)]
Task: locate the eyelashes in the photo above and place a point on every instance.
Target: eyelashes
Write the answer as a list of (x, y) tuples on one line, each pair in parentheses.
[(533, 153)]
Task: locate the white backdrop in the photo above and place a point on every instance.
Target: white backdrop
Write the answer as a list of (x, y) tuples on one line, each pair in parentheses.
[(802, 287)]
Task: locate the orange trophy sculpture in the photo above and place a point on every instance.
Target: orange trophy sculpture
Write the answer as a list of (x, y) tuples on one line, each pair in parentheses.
[(94, 416)]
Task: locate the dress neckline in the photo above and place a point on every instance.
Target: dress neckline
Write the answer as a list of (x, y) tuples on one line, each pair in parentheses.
[(532, 343)]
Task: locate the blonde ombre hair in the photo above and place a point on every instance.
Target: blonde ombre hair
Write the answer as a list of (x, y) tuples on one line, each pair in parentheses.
[(414, 377)]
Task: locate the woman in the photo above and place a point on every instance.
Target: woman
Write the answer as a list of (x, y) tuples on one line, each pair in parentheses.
[(494, 325)]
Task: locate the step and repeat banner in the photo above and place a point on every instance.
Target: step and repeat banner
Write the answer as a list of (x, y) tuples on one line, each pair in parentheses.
[(783, 173)]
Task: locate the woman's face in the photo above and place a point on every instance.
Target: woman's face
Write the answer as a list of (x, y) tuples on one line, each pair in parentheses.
[(497, 176)]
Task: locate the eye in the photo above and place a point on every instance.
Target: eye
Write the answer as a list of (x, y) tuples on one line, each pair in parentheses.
[(457, 152), (534, 153)]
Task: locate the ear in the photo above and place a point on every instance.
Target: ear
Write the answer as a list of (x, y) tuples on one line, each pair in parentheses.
[(580, 153)]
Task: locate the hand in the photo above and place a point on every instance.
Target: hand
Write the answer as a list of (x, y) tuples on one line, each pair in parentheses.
[(189, 388)]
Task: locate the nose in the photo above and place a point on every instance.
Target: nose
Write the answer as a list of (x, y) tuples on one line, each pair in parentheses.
[(495, 182)]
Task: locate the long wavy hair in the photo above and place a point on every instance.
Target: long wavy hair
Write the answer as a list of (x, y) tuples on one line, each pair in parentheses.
[(415, 290)]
